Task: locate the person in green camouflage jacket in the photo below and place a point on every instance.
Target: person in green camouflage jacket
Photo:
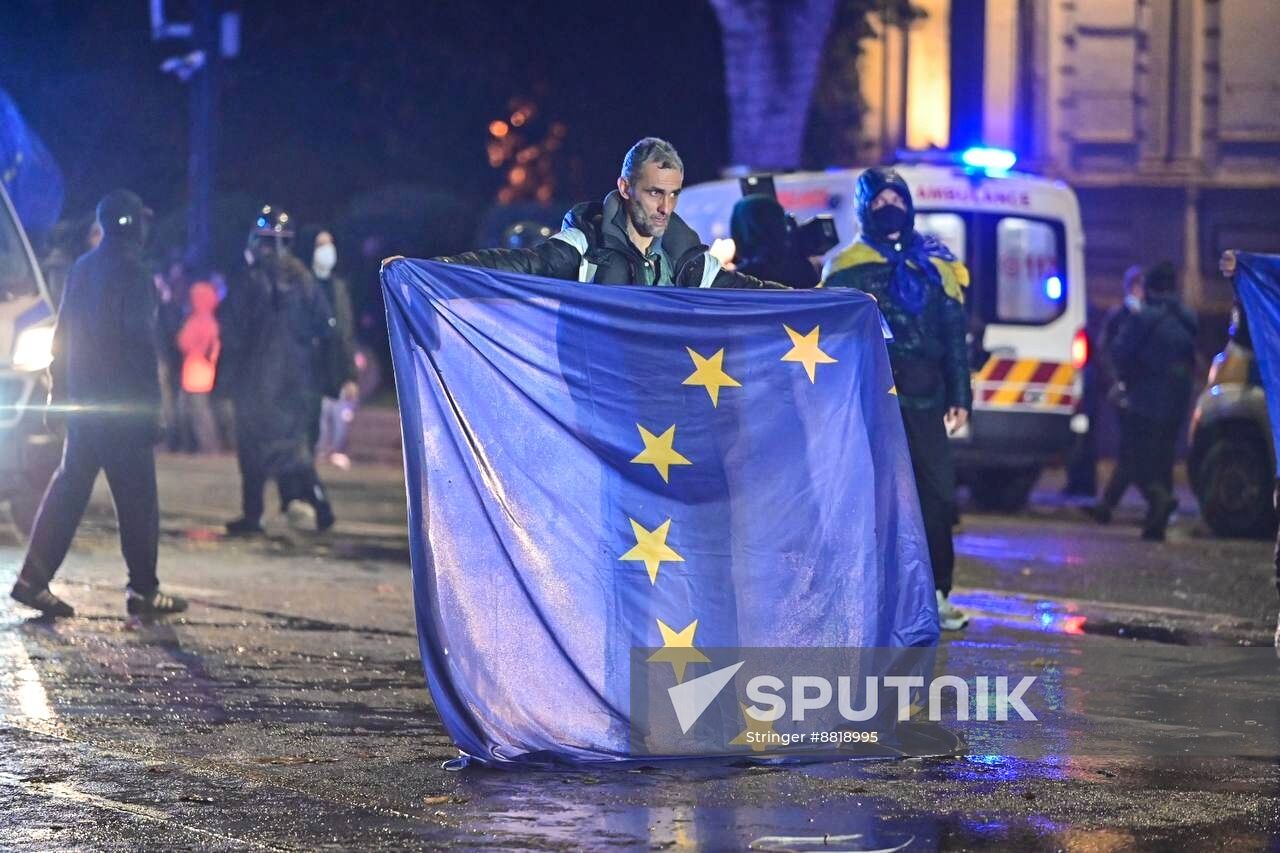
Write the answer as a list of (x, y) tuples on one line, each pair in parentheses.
[(919, 285)]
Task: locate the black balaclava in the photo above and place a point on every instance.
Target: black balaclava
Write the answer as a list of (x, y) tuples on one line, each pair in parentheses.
[(874, 226)]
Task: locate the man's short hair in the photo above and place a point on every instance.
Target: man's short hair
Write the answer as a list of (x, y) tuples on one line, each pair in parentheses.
[(1161, 278), (651, 149)]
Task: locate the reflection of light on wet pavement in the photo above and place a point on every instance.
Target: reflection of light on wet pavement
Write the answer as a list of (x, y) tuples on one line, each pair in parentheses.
[(1005, 549), (22, 693), (1010, 611)]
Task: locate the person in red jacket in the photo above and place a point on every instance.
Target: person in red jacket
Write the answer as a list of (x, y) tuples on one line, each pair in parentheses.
[(199, 343)]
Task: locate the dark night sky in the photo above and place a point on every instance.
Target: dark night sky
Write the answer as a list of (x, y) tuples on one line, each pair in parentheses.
[(331, 99)]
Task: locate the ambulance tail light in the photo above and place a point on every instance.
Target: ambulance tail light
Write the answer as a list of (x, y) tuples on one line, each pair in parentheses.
[(1080, 350)]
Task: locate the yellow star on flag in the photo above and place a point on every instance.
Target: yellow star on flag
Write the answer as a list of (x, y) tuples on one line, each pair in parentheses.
[(658, 451), (652, 548), (804, 349), (754, 727), (677, 648), (710, 374)]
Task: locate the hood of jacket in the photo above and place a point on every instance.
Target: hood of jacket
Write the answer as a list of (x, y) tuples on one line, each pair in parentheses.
[(870, 184)]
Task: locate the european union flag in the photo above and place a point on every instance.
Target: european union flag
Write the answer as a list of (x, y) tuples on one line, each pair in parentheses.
[(594, 468), (1258, 284)]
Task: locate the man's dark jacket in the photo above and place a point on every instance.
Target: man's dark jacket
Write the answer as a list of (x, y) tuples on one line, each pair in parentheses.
[(104, 356), (592, 245), (1154, 353)]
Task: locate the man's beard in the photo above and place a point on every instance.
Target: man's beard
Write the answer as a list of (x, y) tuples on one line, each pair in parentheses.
[(640, 220)]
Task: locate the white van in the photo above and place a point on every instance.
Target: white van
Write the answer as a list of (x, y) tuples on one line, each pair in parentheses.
[(29, 454), (1022, 239)]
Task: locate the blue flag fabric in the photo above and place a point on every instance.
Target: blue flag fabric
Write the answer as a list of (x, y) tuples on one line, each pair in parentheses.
[(1258, 284), (28, 171), (593, 468)]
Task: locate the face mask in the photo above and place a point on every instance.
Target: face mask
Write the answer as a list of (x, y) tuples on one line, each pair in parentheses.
[(324, 259), (1133, 303), (889, 219)]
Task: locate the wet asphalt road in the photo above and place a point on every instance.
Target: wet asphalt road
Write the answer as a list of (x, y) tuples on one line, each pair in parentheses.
[(287, 710)]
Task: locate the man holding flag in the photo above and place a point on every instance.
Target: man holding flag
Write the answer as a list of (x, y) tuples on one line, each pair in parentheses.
[(607, 484), (1257, 283), (632, 237)]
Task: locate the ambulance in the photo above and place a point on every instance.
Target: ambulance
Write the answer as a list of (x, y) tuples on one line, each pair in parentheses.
[(29, 453), (1022, 239)]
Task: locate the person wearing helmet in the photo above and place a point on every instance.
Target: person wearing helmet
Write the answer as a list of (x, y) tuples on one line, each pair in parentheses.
[(105, 377), (919, 286), (272, 323)]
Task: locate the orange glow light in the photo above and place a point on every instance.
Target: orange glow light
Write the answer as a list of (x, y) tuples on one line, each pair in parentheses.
[(498, 128)]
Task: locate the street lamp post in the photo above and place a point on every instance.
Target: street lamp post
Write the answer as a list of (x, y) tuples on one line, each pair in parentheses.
[(213, 36)]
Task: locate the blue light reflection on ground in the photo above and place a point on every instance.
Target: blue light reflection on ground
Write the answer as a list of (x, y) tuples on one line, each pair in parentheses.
[(1017, 612), (1002, 549)]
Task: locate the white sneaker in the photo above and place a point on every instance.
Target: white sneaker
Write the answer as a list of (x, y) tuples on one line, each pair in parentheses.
[(301, 515), (340, 460), (950, 617)]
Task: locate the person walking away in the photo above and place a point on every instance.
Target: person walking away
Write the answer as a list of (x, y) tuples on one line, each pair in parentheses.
[(105, 374), (199, 344), (919, 286), (1154, 354), (1117, 394), (270, 324)]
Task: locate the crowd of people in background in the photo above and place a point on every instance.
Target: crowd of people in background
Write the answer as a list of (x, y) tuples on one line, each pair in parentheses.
[(188, 343)]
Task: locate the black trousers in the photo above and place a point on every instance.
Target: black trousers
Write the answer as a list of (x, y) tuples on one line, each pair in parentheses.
[(262, 457), (936, 484), (127, 457), (1148, 449)]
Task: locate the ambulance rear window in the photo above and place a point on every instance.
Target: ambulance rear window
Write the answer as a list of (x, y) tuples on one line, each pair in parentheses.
[(947, 228), (1031, 286)]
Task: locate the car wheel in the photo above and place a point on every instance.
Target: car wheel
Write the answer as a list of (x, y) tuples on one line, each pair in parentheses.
[(1003, 489), (1235, 488)]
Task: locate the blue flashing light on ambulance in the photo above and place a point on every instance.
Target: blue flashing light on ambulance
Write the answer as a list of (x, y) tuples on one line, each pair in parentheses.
[(1021, 237)]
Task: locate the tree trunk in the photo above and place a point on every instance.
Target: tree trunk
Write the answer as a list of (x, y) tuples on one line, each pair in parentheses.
[(772, 52)]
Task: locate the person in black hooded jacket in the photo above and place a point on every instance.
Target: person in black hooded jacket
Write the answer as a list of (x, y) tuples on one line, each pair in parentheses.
[(919, 286), (1154, 354), (105, 376), (632, 237)]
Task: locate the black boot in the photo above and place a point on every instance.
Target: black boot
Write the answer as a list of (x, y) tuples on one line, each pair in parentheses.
[(324, 510), (1157, 521), (40, 599), (244, 527)]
